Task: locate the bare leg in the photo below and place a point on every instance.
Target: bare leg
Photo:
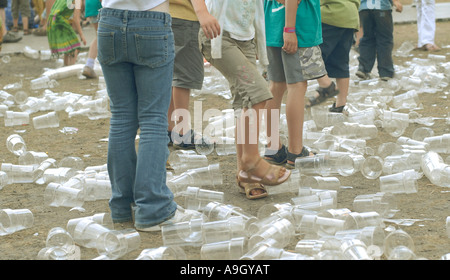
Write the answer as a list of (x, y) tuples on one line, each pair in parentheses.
[(295, 115), (273, 106), (180, 101)]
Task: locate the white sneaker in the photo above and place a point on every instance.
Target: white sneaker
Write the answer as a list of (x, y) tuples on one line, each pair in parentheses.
[(180, 216)]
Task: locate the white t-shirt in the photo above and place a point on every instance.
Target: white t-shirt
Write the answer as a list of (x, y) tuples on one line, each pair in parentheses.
[(243, 19), (133, 5)]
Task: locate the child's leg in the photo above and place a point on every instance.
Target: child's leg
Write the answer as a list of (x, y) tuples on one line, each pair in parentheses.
[(273, 106), (295, 115)]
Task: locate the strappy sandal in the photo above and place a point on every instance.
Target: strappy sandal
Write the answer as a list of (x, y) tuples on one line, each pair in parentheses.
[(277, 158), (324, 94), (273, 175), (291, 157), (248, 188)]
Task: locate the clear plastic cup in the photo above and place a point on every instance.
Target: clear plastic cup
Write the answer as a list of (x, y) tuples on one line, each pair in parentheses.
[(39, 171), (103, 219), (253, 228), (59, 253), (57, 195), (16, 145), (216, 211), (162, 253), (317, 164), (383, 203), (355, 250), (348, 165), (16, 118), (32, 158), (19, 173), (356, 220), (309, 247), (232, 249), (421, 133), (401, 253), (97, 189), (197, 198), (86, 233), (403, 182), (372, 167), (3, 179), (58, 237), (188, 233), (48, 120), (372, 236), (397, 238), (13, 220), (58, 175), (447, 225), (320, 182), (216, 231), (225, 146), (117, 243), (182, 160), (291, 185), (73, 162), (281, 230)]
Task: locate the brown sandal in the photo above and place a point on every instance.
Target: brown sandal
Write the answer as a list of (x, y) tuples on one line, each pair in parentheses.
[(248, 188), (272, 175)]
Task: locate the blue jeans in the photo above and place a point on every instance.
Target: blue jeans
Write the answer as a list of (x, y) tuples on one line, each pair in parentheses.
[(377, 42), (136, 53)]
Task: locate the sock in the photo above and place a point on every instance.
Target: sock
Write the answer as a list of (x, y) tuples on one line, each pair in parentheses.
[(90, 62)]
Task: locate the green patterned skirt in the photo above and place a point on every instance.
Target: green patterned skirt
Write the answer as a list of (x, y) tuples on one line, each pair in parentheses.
[(62, 38)]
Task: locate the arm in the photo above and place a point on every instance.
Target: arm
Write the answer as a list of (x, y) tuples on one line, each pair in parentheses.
[(76, 20), (398, 6), (208, 23), (290, 39)]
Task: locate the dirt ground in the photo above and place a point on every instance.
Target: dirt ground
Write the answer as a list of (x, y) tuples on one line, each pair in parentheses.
[(431, 205)]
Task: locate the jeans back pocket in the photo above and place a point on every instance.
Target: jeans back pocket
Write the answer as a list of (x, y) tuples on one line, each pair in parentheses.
[(105, 43), (155, 50)]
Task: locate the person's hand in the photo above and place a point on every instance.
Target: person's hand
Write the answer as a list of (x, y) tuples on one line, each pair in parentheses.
[(398, 6), (290, 43), (209, 25), (83, 39)]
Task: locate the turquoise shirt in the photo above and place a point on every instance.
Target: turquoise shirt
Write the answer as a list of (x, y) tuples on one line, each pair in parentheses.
[(307, 27), (375, 5)]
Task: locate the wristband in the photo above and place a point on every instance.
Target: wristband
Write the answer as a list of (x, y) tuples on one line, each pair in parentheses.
[(289, 29)]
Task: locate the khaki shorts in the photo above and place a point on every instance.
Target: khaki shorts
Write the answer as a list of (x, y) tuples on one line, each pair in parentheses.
[(238, 66), (306, 64), (22, 6), (188, 70)]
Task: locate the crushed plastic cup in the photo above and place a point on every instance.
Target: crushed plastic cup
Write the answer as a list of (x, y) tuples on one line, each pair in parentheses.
[(403, 182), (232, 249), (162, 253), (48, 120), (117, 243), (16, 145), (13, 220)]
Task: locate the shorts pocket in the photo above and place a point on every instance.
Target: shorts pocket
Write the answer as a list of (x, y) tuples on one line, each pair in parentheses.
[(105, 47)]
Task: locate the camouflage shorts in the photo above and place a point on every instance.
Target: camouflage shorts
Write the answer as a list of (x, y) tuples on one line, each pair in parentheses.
[(305, 64)]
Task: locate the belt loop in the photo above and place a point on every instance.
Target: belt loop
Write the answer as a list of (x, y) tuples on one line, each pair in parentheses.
[(125, 16)]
